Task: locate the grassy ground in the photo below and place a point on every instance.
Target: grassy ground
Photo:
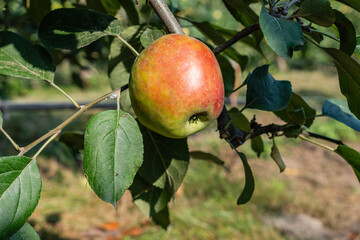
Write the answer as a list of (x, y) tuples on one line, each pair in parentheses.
[(316, 183)]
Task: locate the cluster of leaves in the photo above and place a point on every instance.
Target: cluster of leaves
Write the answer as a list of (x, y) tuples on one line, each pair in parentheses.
[(120, 153)]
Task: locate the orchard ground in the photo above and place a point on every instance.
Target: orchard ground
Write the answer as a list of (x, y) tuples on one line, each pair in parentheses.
[(317, 192)]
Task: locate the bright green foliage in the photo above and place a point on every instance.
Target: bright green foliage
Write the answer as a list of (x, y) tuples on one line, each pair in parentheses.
[(113, 153), (19, 192)]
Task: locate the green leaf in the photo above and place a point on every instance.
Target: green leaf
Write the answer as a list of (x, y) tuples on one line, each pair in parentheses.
[(298, 112), (349, 78), (265, 93), (228, 74), (19, 58), (318, 12), (19, 192), (357, 49), (275, 155), (74, 28), (38, 9), (150, 35), (26, 232), (241, 11), (351, 156), (346, 32), (130, 10), (318, 37), (249, 188), (113, 153), (162, 218), (166, 160), (149, 199), (121, 60), (355, 4), (339, 110), (283, 36), (207, 157), (257, 145)]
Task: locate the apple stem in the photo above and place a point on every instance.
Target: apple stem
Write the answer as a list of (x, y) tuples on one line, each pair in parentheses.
[(128, 45)]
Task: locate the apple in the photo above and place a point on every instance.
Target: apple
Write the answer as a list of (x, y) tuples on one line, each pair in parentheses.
[(176, 87)]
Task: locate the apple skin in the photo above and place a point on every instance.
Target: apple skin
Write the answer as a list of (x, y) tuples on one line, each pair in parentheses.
[(176, 87)]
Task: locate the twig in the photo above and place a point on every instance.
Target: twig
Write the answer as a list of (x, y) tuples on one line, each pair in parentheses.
[(316, 143), (46, 143), (10, 139), (67, 121), (243, 33), (128, 45), (66, 95), (289, 5), (315, 135)]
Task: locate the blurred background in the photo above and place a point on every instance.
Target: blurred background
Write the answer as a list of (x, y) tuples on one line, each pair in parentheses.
[(317, 197)]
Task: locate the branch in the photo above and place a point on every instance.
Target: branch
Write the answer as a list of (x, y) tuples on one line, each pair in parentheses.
[(242, 34), (166, 16)]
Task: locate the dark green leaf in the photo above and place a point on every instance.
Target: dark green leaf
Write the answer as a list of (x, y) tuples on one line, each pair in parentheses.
[(355, 4), (357, 49), (130, 10), (1, 120), (113, 153), (162, 218), (105, 6), (150, 35), (38, 9), (349, 78), (265, 93), (241, 11), (257, 145), (74, 28), (73, 139), (19, 192), (19, 58), (26, 232), (207, 157), (340, 111), (351, 156), (121, 60), (347, 33), (275, 155), (283, 36), (228, 74), (298, 112), (249, 188), (318, 12), (166, 160), (318, 37), (149, 199)]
